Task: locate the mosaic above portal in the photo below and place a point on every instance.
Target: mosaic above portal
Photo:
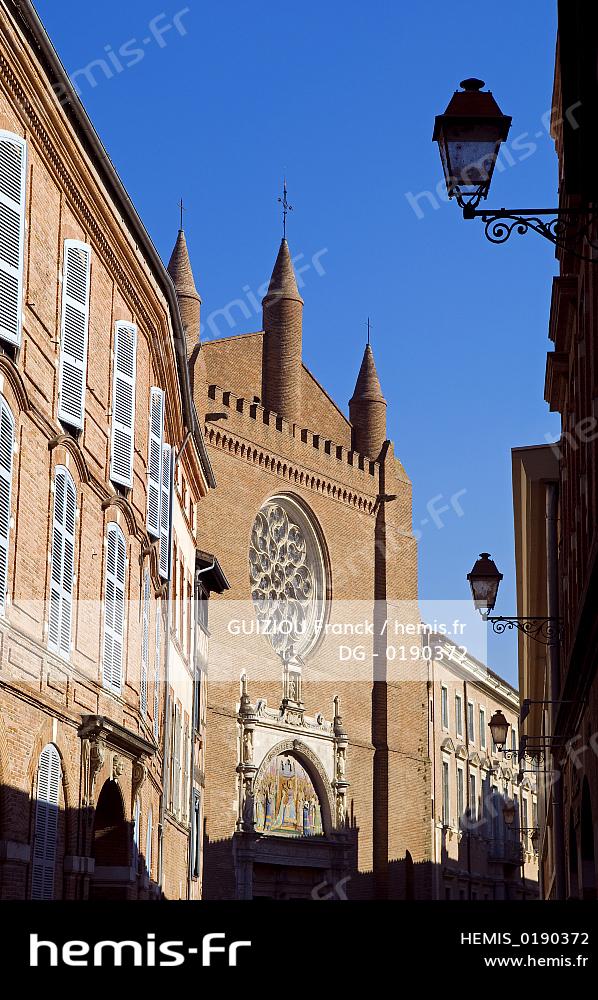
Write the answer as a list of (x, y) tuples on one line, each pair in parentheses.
[(286, 802)]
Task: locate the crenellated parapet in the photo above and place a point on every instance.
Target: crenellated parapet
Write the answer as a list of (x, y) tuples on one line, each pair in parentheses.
[(257, 434)]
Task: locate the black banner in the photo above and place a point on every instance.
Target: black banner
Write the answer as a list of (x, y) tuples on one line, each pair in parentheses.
[(229, 941)]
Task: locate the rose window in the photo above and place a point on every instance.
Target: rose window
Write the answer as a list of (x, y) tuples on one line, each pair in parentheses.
[(287, 576)]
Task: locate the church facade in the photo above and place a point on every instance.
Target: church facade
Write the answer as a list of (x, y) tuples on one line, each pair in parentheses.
[(317, 760)]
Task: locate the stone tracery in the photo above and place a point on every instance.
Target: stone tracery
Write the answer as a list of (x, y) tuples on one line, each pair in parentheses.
[(286, 578)]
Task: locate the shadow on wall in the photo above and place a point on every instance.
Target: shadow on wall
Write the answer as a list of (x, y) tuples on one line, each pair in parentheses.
[(47, 852), (486, 864), (399, 879)]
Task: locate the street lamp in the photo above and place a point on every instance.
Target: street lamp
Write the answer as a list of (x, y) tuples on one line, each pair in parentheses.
[(469, 135), (499, 727), (484, 581)]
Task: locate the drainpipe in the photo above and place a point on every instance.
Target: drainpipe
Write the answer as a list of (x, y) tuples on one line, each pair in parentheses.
[(553, 656)]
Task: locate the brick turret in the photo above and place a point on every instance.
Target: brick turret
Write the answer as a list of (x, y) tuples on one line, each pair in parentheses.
[(367, 409), (283, 322), (179, 268)]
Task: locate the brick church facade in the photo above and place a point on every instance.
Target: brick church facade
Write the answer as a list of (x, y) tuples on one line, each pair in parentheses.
[(312, 521)]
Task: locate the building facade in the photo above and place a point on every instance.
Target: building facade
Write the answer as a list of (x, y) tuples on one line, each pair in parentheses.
[(317, 768), (560, 573), (103, 461), (477, 854)]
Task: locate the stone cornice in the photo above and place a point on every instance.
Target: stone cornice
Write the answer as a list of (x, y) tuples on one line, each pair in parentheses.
[(115, 735)]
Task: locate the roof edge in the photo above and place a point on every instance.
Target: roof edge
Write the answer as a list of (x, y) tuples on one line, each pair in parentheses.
[(25, 12)]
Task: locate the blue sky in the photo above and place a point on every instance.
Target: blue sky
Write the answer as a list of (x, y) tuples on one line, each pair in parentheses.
[(215, 102)]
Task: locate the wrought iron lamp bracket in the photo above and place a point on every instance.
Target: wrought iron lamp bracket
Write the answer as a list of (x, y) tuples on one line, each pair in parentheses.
[(544, 630), (570, 229)]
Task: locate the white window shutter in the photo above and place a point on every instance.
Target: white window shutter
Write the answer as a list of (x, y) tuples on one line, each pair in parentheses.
[(114, 609), (47, 798), (62, 562), (7, 434), (145, 624), (165, 501), (73, 333), (157, 677), (13, 173), (176, 792), (154, 460), (148, 843), (123, 404)]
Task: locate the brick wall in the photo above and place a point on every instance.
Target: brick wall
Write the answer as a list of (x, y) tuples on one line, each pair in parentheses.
[(43, 697)]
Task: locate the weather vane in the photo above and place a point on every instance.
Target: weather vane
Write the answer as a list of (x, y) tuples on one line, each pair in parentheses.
[(182, 208), (369, 329), (285, 208)]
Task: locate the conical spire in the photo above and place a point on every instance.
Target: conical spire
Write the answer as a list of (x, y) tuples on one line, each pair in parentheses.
[(367, 409), (368, 384), (283, 283), (179, 268), (283, 323)]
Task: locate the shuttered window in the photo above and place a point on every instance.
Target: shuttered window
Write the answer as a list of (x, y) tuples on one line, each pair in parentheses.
[(62, 562), (13, 162), (47, 795), (185, 769), (154, 460), (123, 404), (157, 677), (145, 624), (136, 833), (7, 434), (176, 759), (148, 843), (165, 501), (73, 333), (114, 609)]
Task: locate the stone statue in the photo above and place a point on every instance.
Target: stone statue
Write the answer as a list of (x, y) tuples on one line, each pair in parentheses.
[(248, 805), (248, 746)]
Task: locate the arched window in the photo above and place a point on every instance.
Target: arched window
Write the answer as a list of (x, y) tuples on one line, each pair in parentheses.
[(7, 436), (47, 795), (114, 608), (287, 549), (63, 562)]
